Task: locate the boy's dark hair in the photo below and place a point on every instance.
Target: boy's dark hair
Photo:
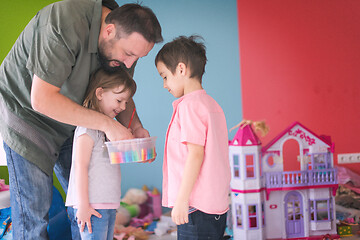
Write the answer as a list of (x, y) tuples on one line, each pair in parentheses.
[(188, 50), (133, 17), (107, 80)]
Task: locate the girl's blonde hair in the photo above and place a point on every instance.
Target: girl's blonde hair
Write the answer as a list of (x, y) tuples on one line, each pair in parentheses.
[(107, 80)]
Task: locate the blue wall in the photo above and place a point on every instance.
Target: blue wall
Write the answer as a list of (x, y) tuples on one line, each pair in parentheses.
[(216, 22)]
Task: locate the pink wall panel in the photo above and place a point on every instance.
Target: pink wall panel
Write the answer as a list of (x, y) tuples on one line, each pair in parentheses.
[(300, 61)]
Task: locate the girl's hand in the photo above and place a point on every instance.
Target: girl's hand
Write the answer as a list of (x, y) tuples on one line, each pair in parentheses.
[(149, 160), (180, 212), (83, 216)]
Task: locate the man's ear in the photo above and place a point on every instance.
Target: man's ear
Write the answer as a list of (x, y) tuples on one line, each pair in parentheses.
[(110, 31), (181, 68), (99, 93)]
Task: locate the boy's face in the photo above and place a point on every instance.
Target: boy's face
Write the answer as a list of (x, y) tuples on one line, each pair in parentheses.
[(174, 83)]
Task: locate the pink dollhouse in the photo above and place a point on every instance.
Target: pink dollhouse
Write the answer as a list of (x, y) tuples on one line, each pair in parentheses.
[(284, 190)]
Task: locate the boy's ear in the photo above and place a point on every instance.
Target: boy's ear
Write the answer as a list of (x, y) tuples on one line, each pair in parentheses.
[(181, 68), (99, 93)]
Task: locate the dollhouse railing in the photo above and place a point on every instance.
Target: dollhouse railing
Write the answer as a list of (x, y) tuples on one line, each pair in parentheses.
[(301, 178)]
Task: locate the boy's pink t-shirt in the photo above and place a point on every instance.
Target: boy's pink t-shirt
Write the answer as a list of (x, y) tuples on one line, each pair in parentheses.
[(198, 119)]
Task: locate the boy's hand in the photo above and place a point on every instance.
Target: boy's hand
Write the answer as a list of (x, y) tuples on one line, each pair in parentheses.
[(180, 213), (83, 216)]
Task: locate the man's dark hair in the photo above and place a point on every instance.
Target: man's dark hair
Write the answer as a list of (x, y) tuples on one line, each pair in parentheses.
[(188, 50), (133, 17), (110, 4)]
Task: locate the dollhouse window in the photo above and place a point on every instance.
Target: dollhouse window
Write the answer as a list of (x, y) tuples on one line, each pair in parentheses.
[(250, 166), (239, 222), (236, 164), (252, 214), (270, 160), (320, 161), (320, 210)]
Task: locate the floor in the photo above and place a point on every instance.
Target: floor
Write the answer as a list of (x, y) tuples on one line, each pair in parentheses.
[(169, 237)]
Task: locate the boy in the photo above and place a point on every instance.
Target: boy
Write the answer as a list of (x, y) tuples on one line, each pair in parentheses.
[(196, 171)]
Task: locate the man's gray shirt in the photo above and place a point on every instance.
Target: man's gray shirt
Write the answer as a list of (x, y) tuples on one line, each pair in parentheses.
[(60, 46)]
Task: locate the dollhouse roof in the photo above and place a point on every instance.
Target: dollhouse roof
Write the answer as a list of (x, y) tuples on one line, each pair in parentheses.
[(245, 136), (323, 138)]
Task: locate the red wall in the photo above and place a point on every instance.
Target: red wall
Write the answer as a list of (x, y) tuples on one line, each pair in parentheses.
[(300, 61)]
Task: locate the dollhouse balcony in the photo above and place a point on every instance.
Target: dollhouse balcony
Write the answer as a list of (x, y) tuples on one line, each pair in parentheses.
[(293, 180), (300, 179)]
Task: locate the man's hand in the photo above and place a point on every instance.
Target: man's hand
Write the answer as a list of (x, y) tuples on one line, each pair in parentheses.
[(83, 216), (116, 131)]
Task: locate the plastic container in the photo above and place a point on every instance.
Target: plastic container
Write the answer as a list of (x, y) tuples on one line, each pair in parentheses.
[(132, 150)]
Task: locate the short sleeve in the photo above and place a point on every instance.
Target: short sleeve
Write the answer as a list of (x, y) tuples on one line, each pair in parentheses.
[(47, 54), (193, 123), (91, 132), (55, 43)]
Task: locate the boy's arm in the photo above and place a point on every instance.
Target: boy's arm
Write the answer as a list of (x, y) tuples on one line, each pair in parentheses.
[(192, 168), (83, 150)]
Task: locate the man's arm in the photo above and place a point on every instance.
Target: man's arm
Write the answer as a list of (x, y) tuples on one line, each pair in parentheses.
[(194, 160), (47, 99)]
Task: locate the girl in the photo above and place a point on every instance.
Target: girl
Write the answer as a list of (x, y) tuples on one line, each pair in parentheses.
[(95, 184)]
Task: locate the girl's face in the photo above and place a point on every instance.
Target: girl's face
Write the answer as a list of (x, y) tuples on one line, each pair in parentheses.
[(112, 101), (174, 83)]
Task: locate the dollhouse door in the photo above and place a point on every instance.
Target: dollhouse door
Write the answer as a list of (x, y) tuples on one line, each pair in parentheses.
[(294, 215)]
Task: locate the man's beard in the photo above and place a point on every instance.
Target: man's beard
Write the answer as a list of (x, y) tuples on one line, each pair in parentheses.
[(105, 62)]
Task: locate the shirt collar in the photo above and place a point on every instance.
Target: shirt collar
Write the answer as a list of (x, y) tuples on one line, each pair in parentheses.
[(95, 27), (197, 92)]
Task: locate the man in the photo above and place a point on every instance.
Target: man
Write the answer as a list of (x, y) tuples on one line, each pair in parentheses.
[(43, 80)]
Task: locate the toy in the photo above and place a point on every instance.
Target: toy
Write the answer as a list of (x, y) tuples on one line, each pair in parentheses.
[(138, 208), (129, 206), (344, 230), (131, 233), (3, 186), (128, 210), (153, 204), (165, 225), (292, 180)]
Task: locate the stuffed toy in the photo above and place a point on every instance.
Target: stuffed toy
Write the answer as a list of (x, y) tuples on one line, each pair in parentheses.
[(130, 206), (129, 209)]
